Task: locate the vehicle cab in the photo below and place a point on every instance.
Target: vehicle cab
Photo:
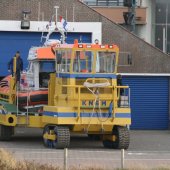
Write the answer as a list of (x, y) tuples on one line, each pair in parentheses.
[(94, 63)]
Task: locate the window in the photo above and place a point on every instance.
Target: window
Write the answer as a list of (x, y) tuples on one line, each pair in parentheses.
[(47, 66), (82, 61), (63, 58), (105, 62)]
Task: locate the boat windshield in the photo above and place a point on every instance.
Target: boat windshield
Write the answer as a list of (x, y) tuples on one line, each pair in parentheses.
[(82, 61), (47, 66), (105, 62)]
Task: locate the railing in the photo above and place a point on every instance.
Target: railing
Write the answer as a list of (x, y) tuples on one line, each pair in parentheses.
[(104, 2), (109, 2), (80, 98), (123, 96)]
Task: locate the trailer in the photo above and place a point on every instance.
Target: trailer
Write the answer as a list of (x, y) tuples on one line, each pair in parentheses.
[(83, 97)]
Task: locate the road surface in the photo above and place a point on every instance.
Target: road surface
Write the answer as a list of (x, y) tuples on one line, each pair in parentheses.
[(148, 149)]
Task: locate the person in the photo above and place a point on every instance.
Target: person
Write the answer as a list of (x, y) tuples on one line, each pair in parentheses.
[(119, 80), (119, 83), (19, 66)]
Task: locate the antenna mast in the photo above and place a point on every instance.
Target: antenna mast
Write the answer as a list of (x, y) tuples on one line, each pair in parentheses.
[(63, 37), (53, 29)]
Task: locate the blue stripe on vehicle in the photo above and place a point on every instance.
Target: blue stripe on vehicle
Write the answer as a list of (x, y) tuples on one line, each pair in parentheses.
[(60, 114), (73, 114), (122, 115), (84, 75), (95, 115)]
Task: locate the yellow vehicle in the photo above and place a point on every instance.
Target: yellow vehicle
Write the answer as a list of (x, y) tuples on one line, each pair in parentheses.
[(83, 97)]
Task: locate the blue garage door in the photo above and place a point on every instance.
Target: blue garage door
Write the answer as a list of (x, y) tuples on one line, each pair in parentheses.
[(10, 42), (149, 102)]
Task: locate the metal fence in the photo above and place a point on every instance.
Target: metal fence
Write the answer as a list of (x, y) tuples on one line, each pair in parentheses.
[(90, 158)]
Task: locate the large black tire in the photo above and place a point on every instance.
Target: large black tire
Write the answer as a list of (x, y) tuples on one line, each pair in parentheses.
[(122, 138), (63, 137), (6, 132)]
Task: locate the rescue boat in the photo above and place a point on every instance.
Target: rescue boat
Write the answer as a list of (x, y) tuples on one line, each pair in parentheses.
[(33, 88)]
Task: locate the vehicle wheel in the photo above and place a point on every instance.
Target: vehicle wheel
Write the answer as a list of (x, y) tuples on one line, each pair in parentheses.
[(6, 132), (122, 138), (63, 137), (47, 142)]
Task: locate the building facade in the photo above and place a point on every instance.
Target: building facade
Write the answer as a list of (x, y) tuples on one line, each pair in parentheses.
[(162, 25), (152, 19)]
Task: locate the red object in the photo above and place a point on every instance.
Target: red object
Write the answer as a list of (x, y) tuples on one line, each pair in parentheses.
[(84, 71)]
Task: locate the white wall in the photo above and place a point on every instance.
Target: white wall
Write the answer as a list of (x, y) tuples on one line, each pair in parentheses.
[(40, 26)]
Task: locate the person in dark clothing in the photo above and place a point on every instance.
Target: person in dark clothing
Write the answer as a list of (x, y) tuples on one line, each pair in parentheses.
[(119, 82), (19, 66)]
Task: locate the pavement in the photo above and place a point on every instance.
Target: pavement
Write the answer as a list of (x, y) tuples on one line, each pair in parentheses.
[(148, 149)]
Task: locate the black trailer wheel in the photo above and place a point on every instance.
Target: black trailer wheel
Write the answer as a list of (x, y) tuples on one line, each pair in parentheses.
[(6, 132), (62, 137), (122, 138)]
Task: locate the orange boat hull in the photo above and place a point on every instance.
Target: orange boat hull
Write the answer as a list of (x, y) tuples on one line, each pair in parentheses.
[(25, 98)]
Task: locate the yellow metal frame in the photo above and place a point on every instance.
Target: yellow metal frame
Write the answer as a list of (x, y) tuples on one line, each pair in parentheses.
[(51, 136), (109, 137), (5, 119)]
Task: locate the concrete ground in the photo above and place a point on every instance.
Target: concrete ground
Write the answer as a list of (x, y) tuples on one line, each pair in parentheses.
[(148, 149)]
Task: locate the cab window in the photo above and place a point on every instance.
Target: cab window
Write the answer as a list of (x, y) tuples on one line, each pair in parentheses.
[(105, 62), (63, 58), (82, 61)]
